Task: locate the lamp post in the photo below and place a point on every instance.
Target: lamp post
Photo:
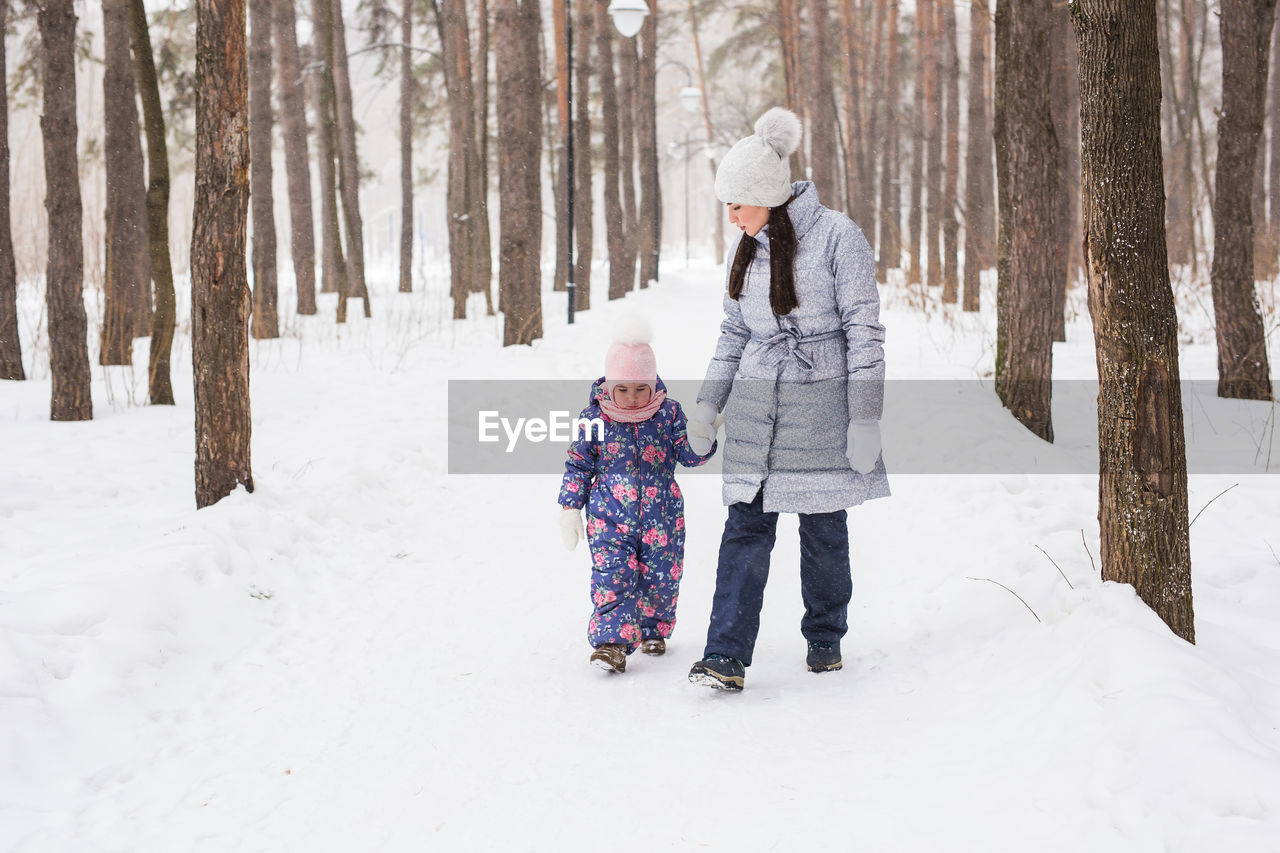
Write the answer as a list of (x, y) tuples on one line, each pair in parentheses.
[(628, 17)]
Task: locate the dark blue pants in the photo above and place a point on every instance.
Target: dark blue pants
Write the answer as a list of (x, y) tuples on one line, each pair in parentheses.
[(825, 582)]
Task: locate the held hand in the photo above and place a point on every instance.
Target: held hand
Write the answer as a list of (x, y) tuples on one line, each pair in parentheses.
[(702, 425), (863, 447), (571, 527)]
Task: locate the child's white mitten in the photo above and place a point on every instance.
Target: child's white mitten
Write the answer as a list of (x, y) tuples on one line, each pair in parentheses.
[(571, 527), (863, 445)]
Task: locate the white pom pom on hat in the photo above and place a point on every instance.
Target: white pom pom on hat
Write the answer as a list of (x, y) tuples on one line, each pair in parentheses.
[(757, 170), (630, 358)]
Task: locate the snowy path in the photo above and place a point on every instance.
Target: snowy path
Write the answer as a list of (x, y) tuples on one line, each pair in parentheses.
[(369, 654)]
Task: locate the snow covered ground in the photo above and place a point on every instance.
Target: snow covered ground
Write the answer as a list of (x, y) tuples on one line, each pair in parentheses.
[(369, 654)]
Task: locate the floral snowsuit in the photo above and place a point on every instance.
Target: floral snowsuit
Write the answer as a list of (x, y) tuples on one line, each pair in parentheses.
[(635, 518)]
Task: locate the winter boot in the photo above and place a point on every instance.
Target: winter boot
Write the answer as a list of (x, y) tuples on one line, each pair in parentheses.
[(655, 646), (824, 656), (610, 657), (720, 672)]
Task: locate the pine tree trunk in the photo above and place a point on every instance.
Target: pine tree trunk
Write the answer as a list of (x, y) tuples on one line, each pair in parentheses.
[(1243, 370), (348, 167), (519, 32), (628, 70), (583, 201), (890, 245), (64, 281), (160, 385), (977, 162), (823, 155), (406, 146), (1065, 102), (564, 126), (914, 211), (126, 305), (613, 224), (219, 284), (1142, 482), (10, 345), (1026, 168), (293, 121), (480, 163), (928, 9), (333, 266), (649, 242), (951, 89), (265, 322)]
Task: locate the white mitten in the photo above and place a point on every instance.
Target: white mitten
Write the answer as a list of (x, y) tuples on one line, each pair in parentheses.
[(571, 527), (701, 428), (863, 445)]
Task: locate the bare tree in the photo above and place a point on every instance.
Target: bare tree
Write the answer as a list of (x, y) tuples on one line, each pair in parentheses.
[(333, 265), (406, 146), (219, 284), (560, 25), (1243, 371), (297, 162), (518, 26), (1027, 177), (950, 69), (890, 244), (10, 345), (619, 276), (64, 281), (914, 209), (1179, 80), (933, 129), (821, 130), (1142, 483), (584, 26), (857, 183), (1273, 185), (266, 320), (977, 163), (348, 169), (649, 232), (628, 71), (708, 128), (159, 383), (126, 302), (1065, 102)]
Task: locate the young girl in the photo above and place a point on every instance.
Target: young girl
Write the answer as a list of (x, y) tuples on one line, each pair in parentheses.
[(635, 515)]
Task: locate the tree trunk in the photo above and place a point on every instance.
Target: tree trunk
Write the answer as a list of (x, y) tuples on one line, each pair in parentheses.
[(1065, 102), (862, 200), (265, 321), (1264, 251), (564, 125), (649, 239), (480, 167), (1273, 186), (160, 385), (1142, 483), (333, 265), (1026, 175), (1243, 371), (349, 168), (628, 70), (890, 174), (613, 224), (914, 212), (1180, 210), (712, 163), (977, 159), (293, 121), (219, 285), (126, 298), (928, 10), (855, 191), (823, 156), (406, 147), (951, 89), (584, 26), (64, 282), (519, 34), (10, 345)]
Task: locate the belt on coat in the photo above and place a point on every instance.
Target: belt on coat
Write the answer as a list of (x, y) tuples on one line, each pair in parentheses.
[(787, 343)]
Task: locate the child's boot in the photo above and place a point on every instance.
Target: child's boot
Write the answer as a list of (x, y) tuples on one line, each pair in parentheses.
[(655, 646), (610, 657)]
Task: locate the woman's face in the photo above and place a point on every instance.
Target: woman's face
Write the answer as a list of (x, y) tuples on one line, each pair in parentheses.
[(748, 217), (631, 395)]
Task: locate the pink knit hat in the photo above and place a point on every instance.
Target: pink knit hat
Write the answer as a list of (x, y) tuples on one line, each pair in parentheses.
[(630, 358)]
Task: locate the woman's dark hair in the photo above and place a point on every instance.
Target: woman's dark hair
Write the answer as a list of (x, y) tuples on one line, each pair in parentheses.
[(782, 262)]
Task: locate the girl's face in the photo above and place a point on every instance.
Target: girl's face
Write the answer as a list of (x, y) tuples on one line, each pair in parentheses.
[(748, 217), (632, 395)]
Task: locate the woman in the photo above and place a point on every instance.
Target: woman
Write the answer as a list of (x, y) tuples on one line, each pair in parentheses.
[(799, 374)]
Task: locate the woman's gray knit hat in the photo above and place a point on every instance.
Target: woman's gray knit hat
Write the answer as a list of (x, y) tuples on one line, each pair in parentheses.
[(757, 170)]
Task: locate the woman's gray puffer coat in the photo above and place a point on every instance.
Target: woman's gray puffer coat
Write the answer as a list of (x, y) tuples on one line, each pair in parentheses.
[(788, 386)]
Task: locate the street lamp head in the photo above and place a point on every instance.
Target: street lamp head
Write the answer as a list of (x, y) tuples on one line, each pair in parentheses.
[(690, 98), (628, 15)]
